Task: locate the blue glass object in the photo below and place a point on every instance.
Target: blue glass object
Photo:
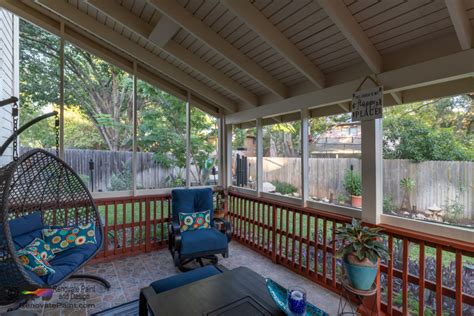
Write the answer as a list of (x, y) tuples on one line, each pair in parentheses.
[(280, 295), (296, 298)]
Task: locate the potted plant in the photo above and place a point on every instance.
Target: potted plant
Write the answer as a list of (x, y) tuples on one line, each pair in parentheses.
[(361, 248), (353, 186)]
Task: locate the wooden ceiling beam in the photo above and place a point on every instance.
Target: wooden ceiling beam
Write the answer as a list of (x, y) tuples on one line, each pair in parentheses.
[(122, 16), (203, 32), (462, 25), (342, 17), (163, 31), (117, 40), (248, 13)]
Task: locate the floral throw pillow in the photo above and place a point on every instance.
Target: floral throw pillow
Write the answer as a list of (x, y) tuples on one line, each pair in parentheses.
[(41, 247), (193, 221), (65, 238), (33, 262)]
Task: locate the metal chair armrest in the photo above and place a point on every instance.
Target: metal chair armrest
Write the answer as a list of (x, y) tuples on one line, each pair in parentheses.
[(227, 229), (174, 236)]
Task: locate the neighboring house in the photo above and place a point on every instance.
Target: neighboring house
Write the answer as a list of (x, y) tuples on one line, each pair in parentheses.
[(341, 141), (9, 73)]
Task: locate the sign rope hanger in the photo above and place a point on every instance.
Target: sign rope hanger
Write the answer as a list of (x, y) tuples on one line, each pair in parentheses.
[(368, 77)]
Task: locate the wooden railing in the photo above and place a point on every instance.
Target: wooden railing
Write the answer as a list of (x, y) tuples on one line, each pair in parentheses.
[(133, 224), (423, 274)]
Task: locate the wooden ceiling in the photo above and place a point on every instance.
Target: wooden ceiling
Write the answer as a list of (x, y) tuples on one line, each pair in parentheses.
[(238, 54)]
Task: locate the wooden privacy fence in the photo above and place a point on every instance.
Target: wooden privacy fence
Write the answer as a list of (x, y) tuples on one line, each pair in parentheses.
[(436, 182), (435, 279), (150, 175)]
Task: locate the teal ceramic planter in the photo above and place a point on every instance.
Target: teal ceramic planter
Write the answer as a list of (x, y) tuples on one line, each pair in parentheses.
[(362, 276)]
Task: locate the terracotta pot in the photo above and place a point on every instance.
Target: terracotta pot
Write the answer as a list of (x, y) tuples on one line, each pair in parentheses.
[(356, 201)]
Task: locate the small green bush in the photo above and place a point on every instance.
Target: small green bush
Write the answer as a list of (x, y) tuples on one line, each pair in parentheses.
[(389, 205), (353, 183), (284, 187)]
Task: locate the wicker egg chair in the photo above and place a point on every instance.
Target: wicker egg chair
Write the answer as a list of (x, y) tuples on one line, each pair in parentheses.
[(40, 185)]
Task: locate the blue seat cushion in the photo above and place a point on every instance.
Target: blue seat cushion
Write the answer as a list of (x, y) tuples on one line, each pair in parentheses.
[(68, 261), (202, 240), (21, 241), (25, 224), (184, 278), (192, 200)]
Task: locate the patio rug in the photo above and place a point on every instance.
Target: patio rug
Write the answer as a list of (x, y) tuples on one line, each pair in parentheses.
[(127, 309)]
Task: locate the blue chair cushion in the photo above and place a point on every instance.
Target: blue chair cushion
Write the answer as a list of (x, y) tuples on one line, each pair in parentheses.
[(192, 200), (67, 261), (202, 240), (184, 278), (25, 224), (21, 241)]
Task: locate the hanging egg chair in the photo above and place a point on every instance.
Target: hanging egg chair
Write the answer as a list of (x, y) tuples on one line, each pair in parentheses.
[(39, 191)]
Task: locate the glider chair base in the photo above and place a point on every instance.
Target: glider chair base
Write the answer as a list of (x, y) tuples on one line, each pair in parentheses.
[(94, 278)]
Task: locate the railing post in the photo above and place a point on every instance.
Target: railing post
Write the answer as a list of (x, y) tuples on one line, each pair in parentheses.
[(274, 232), (147, 225)]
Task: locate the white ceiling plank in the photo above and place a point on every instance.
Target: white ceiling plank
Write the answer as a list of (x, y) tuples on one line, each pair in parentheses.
[(457, 11), (163, 31), (122, 16), (132, 20), (200, 30), (263, 27), (342, 17), (92, 26)]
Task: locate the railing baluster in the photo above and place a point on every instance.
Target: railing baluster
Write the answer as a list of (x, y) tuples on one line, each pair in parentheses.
[(421, 280), (308, 242), (405, 277), (162, 220), (260, 226), (115, 228), (141, 224), (274, 236), (458, 282), (287, 229), (300, 242), (133, 225), (106, 230), (390, 275), (316, 246), (439, 281), (325, 249), (254, 223), (267, 211), (245, 213), (293, 229), (333, 236), (124, 222), (280, 245)]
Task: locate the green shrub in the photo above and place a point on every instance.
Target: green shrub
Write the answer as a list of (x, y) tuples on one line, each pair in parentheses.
[(284, 187), (353, 183), (389, 205)]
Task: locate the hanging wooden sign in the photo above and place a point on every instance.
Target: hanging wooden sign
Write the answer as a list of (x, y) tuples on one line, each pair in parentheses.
[(367, 104)]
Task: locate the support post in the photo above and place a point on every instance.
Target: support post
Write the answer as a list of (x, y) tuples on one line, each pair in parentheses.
[(372, 171), (221, 151), (259, 153), (135, 130), (188, 139), (228, 155), (61, 93), (304, 156)]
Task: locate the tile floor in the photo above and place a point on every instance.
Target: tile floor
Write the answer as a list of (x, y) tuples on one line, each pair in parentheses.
[(127, 276)]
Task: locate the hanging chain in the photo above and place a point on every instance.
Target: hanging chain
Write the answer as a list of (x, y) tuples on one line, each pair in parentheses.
[(15, 128), (56, 129)]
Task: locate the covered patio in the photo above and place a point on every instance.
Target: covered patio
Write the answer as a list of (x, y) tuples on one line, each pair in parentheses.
[(276, 79)]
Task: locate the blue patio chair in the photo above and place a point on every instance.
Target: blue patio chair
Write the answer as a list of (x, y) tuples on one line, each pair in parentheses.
[(188, 246)]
